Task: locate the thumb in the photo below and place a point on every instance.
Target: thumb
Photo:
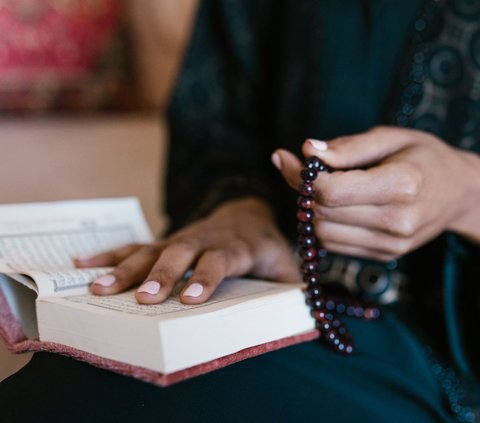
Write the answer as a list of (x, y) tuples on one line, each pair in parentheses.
[(359, 150), (289, 166), (289, 274), (279, 264)]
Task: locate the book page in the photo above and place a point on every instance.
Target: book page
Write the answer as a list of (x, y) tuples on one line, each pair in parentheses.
[(40, 240), (231, 290), (51, 283)]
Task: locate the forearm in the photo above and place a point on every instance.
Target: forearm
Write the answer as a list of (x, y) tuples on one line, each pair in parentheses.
[(219, 134), (467, 221)]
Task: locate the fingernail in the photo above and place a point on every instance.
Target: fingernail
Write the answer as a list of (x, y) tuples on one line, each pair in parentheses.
[(277, 161), (82, 258), (150, 287), (318, 145), (107, 280), (194, 290)]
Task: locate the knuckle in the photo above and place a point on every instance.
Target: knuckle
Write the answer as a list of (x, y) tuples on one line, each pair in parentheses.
[(123, 272), (241, 247), (150, 250), (328, 196), (110, 257), (399, 248), (166, 274), (322, 230), (183, 245), (322, 212), (400, 223), (405, 225), (410, 181), (218, 255), (117, 255), (133, 246)]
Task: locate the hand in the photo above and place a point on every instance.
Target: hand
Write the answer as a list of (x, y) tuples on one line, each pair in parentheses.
[(239, 238), (392, 190)]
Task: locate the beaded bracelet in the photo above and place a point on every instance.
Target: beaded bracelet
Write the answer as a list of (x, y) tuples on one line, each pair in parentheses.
[(324, 308)]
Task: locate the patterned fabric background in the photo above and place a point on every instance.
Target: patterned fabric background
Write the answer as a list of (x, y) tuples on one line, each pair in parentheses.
[(443, 92)]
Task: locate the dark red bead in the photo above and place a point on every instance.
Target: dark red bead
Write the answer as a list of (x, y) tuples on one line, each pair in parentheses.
[(306, 189), (313, 163), (305, 228), (308, 175), (305, 202), (330, 305), (332, 336), (337, 342), (305, 215), (324, 315), (320, 313), (323, 309), (308, 254), (359, 311), (323, 325), (316, 304), (336, 324), (307, 241), (314, 291), (371, 313), (311, 279), (329, 315), (323, 167), (350, 311), (309, 267)]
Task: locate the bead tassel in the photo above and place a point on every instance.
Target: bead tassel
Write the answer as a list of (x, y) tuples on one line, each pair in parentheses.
[(324, 308)]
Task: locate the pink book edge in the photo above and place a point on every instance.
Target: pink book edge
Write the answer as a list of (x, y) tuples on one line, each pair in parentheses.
[(16, 341)]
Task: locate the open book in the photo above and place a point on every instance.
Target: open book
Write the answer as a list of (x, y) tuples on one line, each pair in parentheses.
[(45, 303)]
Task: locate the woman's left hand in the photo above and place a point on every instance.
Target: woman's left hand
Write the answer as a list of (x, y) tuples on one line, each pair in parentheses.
[(391, 191)]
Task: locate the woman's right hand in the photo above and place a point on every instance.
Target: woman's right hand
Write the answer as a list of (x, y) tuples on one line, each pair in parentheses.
[(238, 238)]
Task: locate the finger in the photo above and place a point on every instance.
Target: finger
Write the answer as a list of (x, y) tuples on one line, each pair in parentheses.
[(391, 220), (213, 266), (107, 258), (286, 269), (369, 216), (364, 238), (392, 181), (289, 165), (130, 271), (355, 251), (175, 260), (360, 150), (278, 261)]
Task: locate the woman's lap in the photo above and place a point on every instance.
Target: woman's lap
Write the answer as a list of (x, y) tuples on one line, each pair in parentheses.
[(388, 379)]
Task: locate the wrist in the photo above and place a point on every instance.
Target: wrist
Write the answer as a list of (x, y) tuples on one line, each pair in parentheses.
[(467, 219), (250, 205)]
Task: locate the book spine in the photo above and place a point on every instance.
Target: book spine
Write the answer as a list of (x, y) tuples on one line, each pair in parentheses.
[(10, 327)]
